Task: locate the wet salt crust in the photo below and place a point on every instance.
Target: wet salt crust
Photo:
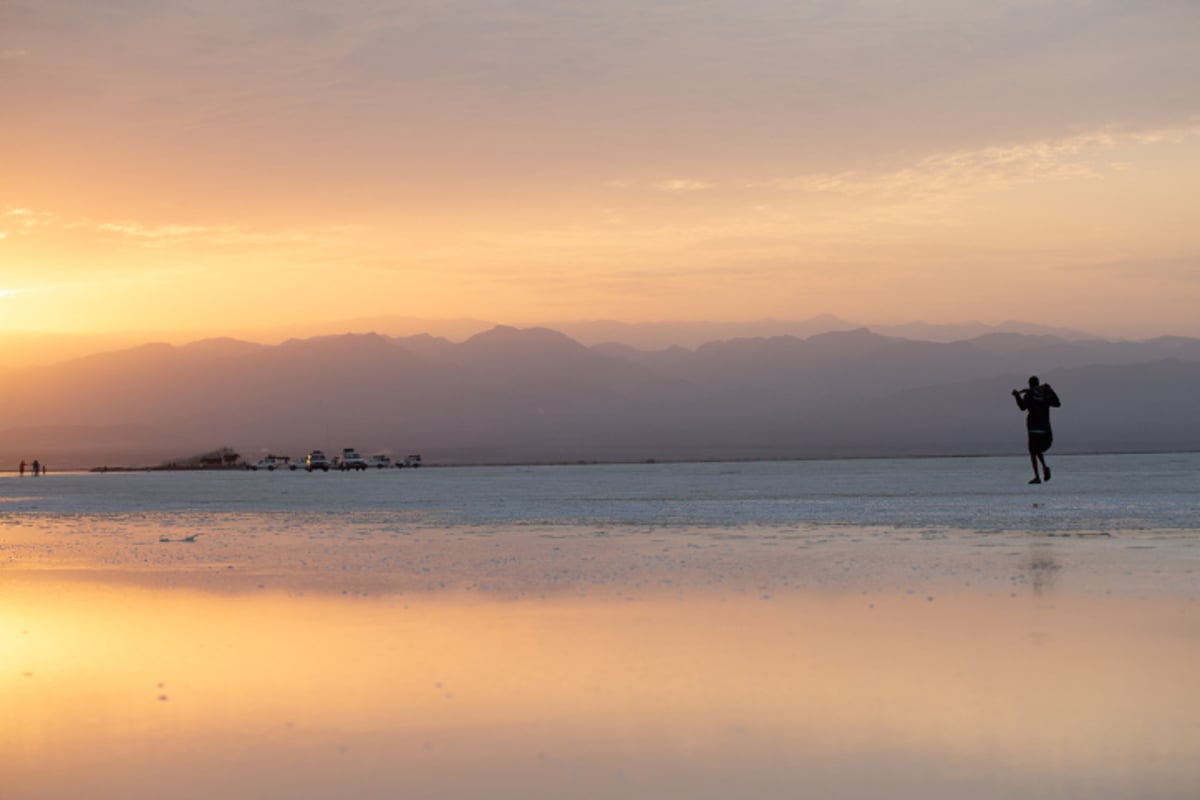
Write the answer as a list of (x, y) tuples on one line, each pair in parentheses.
[(1088, 493), (930, 628)]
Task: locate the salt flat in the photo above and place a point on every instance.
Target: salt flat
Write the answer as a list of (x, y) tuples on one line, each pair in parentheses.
[(656, 631)]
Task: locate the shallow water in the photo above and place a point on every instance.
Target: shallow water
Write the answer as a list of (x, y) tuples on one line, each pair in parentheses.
[(908, 629), (1125, 492)]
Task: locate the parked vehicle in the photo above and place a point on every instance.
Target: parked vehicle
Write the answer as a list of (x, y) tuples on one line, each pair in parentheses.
[(380, 461), (316, 460), (413, 460), (271, 463), (350, 459)]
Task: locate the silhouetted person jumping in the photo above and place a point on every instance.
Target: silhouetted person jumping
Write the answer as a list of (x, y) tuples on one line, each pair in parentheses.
[(1037, 400)]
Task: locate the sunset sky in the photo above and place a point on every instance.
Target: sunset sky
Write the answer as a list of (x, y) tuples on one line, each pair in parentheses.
[(206, 166)]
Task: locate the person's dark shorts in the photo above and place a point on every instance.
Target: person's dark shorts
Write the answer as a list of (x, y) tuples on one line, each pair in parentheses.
[(1039, 441)]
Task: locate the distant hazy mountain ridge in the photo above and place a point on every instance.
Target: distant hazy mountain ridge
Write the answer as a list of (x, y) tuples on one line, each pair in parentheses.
[(513, 395), (34, 349)]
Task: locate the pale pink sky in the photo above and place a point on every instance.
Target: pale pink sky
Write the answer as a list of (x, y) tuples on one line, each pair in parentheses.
[(218, 165)]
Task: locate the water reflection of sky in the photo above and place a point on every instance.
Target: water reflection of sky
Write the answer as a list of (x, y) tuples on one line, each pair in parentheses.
[(118, 691), (645, 631)]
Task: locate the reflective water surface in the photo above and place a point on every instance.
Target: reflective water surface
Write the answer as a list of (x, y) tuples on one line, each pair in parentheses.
[(369, 652), (127, 692)]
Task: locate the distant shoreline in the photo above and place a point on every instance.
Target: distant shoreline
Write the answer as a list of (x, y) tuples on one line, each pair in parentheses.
[(630, 462)]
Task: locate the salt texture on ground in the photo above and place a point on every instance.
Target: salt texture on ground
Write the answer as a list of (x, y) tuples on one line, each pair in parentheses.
[(926, 628)]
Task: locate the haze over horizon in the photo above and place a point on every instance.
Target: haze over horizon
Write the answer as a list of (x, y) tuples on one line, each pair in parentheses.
[(20, 349), (511, 395), (205, 169)]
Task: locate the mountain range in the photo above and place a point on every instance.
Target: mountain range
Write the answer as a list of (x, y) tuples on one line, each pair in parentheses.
[(24, 349), (509, 395)]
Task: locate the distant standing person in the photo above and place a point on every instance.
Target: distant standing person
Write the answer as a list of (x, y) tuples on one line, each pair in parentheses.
[(37, 467), (22, 468), (1037, 400)]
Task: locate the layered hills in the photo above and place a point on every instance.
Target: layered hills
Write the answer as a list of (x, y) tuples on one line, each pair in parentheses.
[(536, 395)]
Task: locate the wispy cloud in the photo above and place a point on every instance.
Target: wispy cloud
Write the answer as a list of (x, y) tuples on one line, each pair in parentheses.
[(24, 215), (682, 185), (1085, 155), (25, 220), (1177, 271), (989, 168), (22, 221), (217, 235)]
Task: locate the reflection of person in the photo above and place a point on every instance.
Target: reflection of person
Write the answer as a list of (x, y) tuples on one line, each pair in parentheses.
[(1037, 400)]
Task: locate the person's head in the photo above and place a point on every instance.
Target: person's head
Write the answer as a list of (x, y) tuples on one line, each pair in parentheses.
[(1034, 382)]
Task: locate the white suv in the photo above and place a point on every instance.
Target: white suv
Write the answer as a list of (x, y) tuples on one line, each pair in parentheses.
[(352, 460), (316, 460)]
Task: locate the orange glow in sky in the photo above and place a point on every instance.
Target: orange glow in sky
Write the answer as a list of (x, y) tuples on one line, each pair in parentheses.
[(265, 165)]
